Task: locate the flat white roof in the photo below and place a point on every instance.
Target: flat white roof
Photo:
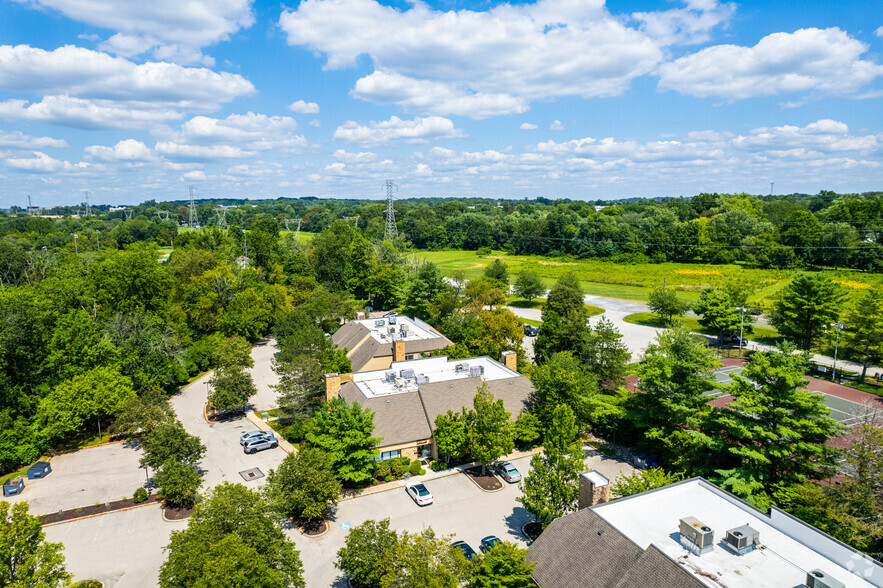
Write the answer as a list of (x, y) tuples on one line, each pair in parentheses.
[(385, 332), (788, 548), (433, 369)]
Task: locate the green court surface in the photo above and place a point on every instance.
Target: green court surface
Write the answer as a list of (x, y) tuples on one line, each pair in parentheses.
[(849, 413)]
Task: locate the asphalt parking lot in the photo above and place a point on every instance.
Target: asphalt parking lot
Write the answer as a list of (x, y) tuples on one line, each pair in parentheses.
[(122, 549), (86, 477), (263, 375)]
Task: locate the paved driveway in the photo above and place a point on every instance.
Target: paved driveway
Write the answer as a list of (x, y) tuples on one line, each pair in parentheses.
[(86, 477), (263, 375)]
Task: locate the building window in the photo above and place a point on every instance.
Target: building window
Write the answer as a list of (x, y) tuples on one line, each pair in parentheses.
[(385, 455)]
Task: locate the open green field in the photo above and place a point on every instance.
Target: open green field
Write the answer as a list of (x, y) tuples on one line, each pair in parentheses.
[(635, 281), (765, 335)]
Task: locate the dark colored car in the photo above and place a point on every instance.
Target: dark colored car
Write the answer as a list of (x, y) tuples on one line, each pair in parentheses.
[(531, 331), (390, 314), (489, 543), (467, 551), (259, 444)]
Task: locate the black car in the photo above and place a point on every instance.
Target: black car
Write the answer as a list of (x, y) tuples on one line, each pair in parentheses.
[(468, 552), (531, 331)]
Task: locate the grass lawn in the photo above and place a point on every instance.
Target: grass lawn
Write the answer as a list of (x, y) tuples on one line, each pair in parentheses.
[(635, 281), (531, 322), (765, 335), (517, 302)]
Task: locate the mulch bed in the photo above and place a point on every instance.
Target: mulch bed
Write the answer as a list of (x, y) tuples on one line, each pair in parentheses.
[(85, 511), (486, 482), (312, 528), (179, 513), (533, 530)]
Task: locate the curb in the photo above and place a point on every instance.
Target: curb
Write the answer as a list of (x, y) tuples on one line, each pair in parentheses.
[(260, 424), (173, 520), (500, 489), (322, 534), (100, 514)]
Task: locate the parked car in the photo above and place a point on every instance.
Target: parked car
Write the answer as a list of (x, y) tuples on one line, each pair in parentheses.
[(489, 543), (420, 493), (732, 340), (259, 444), (531, 331), (467, 551), (390, 314), (508, 472), (246, 437)]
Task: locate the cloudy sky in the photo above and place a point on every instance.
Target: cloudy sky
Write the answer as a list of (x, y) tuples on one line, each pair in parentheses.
[(556, 98)]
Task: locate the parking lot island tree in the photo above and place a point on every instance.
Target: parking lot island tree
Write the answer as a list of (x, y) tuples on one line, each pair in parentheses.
[(666, 304), (426, 560), (231, 389), (26, 559), (489, 433), (169, 441), (551, 490), (807, 307), (503, 566), (529, 285), (304, 484), (450, 435), (368, 553), (343, 430), (775, 429), (178, 483), (232, 530)]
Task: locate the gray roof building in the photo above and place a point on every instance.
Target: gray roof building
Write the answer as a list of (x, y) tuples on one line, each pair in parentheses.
[(373, 344)]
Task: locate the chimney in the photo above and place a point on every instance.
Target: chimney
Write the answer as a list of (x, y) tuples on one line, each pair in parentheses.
[(398, 351), (332, 386), (510, 360), (594, 488)]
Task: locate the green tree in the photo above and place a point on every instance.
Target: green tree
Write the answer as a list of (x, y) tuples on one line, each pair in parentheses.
[(529, 285), (231, 530), (864, 334), (562, 433), (232, 389), (666, 304), (605, 355), (527, 430), (502, 567), (26, 559), (233, 353), (425, 560), (169, 441), (643, 480), (862, 490), (498, 273), (304, 484), (343, 431), (551, 489), (98, 393), (178, 482), (77, 346), (808, 305), (489, 433), (426, 284), (368, 552), (776, 428), (718, 312), (450, 435), (564, 320), (144, 413), (561, 380)]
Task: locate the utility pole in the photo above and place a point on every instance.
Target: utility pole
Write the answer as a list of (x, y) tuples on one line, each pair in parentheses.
[(76, 247), (97, 240), (88, 195), (741, 326), (771, 187), (839, 327), (194, 220), (392, 230)]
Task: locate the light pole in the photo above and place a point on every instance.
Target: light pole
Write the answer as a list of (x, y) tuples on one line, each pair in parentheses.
[(741, 327), (839, 327), (76, 249)]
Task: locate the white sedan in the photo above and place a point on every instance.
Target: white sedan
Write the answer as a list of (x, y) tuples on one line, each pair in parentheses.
[(420, 493)]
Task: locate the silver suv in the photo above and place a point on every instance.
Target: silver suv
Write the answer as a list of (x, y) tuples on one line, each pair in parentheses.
[(259, 444)]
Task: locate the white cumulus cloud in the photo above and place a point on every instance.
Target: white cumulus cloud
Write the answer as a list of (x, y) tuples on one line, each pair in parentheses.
[(197, 175), (128, 150), (827, 61), (42, 163), (304, 107), (528, 126), (689, 25), (556, 125), (18, 140), (174, 150), (417, 130), (251, 131)]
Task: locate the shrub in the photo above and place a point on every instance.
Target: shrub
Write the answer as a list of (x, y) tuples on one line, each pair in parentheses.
[(405, 461), (437, 466), (415, 468), (140, 495), (387, 479), (422, 471), (396, 468), (382, 470), (87, 583), (484, 251)]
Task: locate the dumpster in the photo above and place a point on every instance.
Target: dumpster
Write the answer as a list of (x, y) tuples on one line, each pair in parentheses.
[(13, 486), (40, 469)]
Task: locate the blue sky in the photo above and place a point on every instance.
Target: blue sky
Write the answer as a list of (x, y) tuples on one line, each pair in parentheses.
[(554, 98)]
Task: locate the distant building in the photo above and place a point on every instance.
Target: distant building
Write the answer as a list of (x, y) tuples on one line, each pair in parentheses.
[(693, 534), (373, 344), (407, 396)]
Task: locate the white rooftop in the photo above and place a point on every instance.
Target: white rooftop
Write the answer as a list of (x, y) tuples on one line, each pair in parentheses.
[(426, 371), (400, 328), (788, 548)]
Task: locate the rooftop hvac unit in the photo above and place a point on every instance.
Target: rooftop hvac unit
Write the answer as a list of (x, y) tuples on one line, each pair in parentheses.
[(392, 320), (421, 379), (696, 536), (461, 367), (476, 371), (404, 327), (391, 329), (819, 579), (742, 539), (379, 323), (407, 373), (390, 377)]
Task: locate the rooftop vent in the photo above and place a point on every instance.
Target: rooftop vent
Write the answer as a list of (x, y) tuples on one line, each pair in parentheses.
[(742, 539), (696, 536), (392, 320), (407, 373), (461, 367), (819, 579), (391, 329), (379, 323), (476, 371), (421, 379), (390, 377), (404, 327)]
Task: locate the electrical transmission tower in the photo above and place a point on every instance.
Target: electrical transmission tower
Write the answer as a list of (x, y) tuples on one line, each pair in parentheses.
[(32, 210), (392, 230), (88, 195), (163, 214), (297, 233), (129, 212), (194, 220), (352, 218), (222, 219)]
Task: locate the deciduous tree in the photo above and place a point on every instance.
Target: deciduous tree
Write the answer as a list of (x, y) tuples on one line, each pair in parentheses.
[(169, 441), (178, 482), (529, 285), (368, 552), (26, 559), (864, 333), (605, 355), (450, 435), (489, 433), (666, 304), (343, 431), (304, 484), (502, 567), (426, 560)]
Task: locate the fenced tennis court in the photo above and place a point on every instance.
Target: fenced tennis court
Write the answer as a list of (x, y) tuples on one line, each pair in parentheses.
[(849, 413)]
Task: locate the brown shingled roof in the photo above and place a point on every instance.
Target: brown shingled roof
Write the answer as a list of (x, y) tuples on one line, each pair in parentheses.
[(440, 397), (582, 550), (398, 418)]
